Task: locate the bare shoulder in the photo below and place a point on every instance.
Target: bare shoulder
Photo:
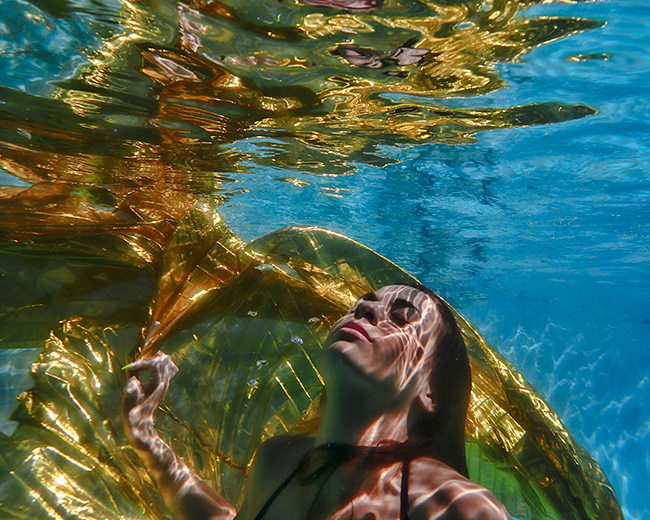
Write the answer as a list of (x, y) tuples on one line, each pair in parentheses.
[(283, 451), (438, 491), (274, 461)]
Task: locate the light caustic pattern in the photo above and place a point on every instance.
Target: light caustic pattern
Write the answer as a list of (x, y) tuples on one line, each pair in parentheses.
[(319, 87), (106, 244), (202, 288)]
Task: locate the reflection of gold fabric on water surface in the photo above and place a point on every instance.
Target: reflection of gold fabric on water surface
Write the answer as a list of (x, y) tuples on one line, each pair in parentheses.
[(106, 249), (245, 323), (191, 75)]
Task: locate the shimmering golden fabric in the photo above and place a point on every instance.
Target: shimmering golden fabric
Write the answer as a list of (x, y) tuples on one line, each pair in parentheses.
[(245, 323), (317, 88), (105, 254)]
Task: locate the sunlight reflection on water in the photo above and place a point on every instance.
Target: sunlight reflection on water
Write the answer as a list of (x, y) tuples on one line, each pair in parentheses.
[(119, 109)]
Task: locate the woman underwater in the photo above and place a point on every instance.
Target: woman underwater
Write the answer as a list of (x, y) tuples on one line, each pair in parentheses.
[(390, 444)]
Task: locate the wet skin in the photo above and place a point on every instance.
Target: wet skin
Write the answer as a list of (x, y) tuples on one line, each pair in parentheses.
[(376, 363), (384, 336)]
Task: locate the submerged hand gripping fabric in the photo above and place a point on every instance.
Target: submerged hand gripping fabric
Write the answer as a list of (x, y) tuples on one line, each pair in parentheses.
[(245, 323)]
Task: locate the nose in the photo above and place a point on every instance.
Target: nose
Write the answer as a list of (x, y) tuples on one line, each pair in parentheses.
[(369, 310)]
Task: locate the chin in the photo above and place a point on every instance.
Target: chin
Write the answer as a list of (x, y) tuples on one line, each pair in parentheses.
[(338, 351), (342, 361), (340, 355)]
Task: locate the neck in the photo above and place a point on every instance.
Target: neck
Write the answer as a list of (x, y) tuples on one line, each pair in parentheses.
[(353, 421)]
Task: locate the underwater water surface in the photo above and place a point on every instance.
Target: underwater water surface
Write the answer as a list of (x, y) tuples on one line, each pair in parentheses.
[(540, 236), (506, 168)]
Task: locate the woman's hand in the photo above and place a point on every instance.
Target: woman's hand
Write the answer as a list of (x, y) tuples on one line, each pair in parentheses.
[(141, 400), (186, 495)]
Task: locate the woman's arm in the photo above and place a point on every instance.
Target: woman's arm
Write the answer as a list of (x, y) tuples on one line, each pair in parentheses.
[(186, 495)]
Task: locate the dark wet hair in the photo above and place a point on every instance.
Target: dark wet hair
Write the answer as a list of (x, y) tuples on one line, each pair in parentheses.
[(440, 434)]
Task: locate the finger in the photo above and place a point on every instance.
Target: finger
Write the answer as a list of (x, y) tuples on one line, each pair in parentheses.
[(162, 371), (134, 388), (165, 368), (133, 394), (155, 387), (142, 363), (142, 399)]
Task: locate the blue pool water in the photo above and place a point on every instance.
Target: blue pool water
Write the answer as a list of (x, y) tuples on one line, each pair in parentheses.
[(540, 236)]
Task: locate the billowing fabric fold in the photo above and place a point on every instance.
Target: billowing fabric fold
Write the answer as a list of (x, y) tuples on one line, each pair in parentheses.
[(245, 324)]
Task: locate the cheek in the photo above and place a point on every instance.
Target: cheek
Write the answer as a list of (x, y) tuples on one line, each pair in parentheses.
[(408, 361), (398, 343)]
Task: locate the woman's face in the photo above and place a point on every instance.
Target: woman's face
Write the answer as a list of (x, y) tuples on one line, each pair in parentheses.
[(385, 336)]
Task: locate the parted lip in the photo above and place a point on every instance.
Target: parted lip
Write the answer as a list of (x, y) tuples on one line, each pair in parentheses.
[(355, 329)]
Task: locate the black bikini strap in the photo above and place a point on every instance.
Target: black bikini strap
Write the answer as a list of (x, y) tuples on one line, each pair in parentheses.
[(404, 492), (345, 452), (276, 493), (333, 456)]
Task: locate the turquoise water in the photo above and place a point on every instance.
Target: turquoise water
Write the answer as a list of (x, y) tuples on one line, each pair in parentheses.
[(539, 235)]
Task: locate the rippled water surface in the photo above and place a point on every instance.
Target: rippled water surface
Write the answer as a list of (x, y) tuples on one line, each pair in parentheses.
[(496, 150)]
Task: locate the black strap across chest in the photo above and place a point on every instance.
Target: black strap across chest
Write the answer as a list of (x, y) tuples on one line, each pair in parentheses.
[(333, 455)]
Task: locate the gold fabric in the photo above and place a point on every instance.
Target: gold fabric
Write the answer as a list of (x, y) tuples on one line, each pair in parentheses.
[(106, 255), (320, 90), (245, 324)]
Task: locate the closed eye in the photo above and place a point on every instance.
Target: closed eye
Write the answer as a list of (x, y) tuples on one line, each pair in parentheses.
[(403, 312)]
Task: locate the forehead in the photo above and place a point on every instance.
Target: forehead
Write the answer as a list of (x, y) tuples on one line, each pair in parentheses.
[(411, 295)]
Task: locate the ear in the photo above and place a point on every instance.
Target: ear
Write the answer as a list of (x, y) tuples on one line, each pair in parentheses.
[(422, 411), (427, 401)]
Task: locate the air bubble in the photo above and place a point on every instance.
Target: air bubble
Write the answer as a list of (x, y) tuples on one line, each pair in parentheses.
[(252, 313), (297, 340), (253, 385), (261, 362), (313, 320)]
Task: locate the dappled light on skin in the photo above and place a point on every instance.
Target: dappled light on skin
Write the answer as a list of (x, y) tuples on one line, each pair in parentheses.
[(103, 305), (111, 248), (388, 334), (352, 467)]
